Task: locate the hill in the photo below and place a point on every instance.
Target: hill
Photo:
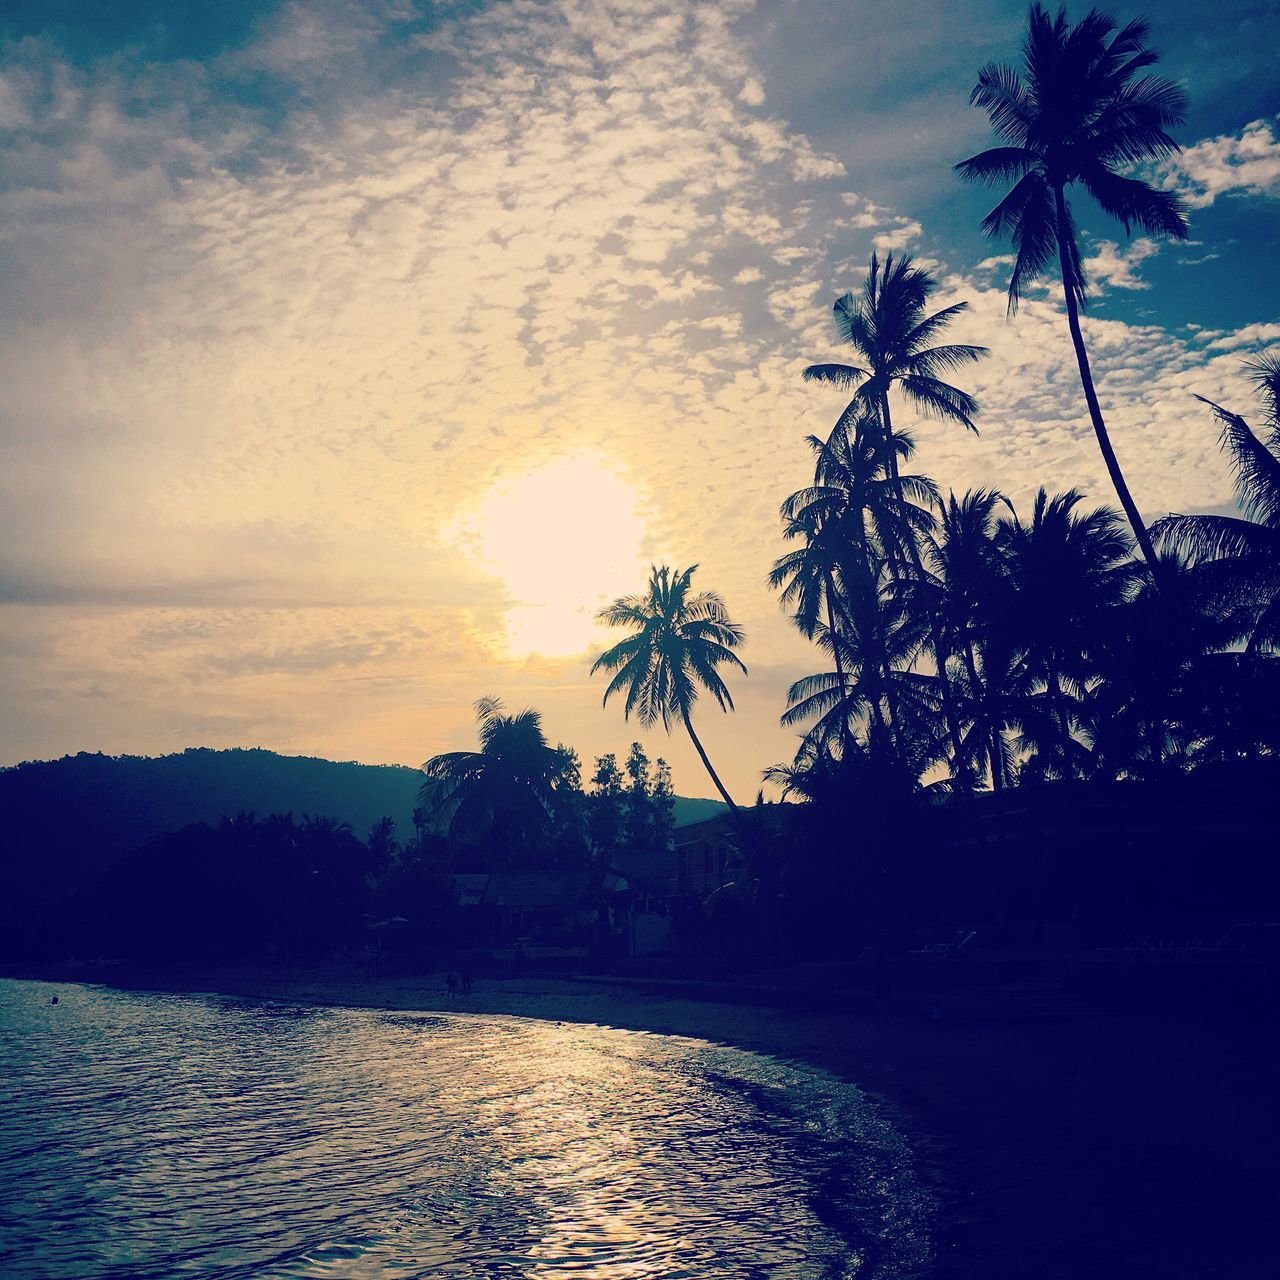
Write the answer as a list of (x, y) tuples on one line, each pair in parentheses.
[(66, 820)]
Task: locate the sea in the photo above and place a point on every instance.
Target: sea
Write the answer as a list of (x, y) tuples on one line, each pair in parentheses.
[(152, 1136)]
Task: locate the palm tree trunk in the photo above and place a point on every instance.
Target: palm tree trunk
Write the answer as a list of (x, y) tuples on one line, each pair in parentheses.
[(702, 755), (960, 769), (835, 651), (891, 728), (1091, 397), (971, 665), (1055, 699)]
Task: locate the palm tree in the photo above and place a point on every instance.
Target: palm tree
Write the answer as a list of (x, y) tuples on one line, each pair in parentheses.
[(1149, 653), (1077, 113), (969, 570), (1065, 569), (892, 331), (510, 789), (875, 681), (1238, 557), (849, 511), (678, 643)]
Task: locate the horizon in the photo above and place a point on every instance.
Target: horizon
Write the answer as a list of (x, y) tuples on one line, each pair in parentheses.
[(338, 326)]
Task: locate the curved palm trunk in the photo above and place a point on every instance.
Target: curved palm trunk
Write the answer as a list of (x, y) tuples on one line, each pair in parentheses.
[(960, 769), (1091, 399), (702, 755)]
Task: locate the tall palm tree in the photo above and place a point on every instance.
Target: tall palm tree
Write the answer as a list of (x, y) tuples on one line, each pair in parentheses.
[(1077, 113), (509, 789), (677, 644), (1239, 557), (893, 335)]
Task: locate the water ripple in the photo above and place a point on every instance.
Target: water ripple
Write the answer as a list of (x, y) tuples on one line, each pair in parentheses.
[(146, 1137)]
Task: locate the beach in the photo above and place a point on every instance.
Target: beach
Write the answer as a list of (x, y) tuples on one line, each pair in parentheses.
[(1086, 1146)]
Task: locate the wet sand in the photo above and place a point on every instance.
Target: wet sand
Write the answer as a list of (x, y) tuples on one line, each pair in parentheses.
[(1087, 1147)]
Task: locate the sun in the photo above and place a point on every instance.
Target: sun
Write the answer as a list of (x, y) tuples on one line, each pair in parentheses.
[(564, 539)]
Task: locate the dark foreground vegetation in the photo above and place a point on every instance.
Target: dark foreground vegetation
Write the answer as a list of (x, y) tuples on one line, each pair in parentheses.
[(248, 853)]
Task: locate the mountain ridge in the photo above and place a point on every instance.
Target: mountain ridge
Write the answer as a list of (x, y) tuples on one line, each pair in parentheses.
[(81, 813)]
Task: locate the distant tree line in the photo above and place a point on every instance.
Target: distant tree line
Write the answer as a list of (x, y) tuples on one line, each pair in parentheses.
[(518, 801), (296, 889)]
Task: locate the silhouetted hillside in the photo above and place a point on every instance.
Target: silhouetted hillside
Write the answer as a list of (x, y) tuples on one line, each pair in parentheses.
[(66, 820)]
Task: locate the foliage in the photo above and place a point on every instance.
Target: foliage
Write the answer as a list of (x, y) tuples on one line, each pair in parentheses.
[(1237, 558), (1070, 660), (1078, 113), (512, 800), (679, 641)]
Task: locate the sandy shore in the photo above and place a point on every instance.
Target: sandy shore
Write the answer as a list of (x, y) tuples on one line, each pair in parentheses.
[(1090, 1147)]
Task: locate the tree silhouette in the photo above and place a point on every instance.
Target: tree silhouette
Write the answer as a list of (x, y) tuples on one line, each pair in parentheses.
[(1148, 655), (1077, 113), (508, 790), (972, 585), (678, 643), (1239, 558), (1065, 570), (844, 520), (876, 679), (893, 334)]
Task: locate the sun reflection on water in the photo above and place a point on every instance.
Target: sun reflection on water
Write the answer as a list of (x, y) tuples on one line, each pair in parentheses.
[(162, 1136)]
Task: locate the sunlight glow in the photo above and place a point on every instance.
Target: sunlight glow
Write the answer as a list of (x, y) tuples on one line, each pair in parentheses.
[(564, 539)]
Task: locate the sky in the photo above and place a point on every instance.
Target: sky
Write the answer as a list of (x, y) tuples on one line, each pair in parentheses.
[(353, 355)]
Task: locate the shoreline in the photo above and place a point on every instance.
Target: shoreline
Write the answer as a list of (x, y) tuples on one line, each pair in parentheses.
[(1097, 1146)]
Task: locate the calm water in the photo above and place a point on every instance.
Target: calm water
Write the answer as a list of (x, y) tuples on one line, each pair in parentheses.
[(162, 1136)]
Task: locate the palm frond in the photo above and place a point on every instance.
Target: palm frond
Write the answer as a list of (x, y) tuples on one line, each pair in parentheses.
[(1002, 95), (933, 361), (940, 400), (996, 164), (1134, 202), (838, 375), (1210, 537), (1256, 468)]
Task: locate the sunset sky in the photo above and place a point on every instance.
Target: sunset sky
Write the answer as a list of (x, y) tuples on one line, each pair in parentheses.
[(353, 354)]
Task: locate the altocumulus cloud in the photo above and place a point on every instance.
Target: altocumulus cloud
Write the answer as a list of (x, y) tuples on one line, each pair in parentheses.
[(1247, 163), (268, 356)]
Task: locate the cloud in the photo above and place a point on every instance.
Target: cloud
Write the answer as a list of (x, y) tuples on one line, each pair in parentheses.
[(262, 358), (1111, 267), (903, 233), (1251, 335), (1247, 163)]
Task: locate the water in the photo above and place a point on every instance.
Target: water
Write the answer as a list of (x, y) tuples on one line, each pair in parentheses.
[(160, 1136)]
